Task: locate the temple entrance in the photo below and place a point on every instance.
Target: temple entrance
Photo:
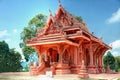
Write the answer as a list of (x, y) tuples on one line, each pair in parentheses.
[(87, 57), (53, 55), (66, 57)]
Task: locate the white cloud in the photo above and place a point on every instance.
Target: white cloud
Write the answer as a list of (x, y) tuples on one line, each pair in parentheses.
[(15, 30), (3, 33), (115, 48), (116, 53), (115, 17), (115, 44)]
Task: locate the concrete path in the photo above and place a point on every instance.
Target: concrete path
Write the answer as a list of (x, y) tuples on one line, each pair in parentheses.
[(105, 76), (26, 76)]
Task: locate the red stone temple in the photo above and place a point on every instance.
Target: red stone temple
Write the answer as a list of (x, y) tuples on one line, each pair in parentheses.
[(64, 43)]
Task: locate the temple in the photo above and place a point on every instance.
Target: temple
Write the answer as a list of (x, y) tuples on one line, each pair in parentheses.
[(64, 43)]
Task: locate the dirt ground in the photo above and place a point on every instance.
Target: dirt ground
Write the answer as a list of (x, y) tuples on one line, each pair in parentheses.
[(15, 74), (104, 76), (114, 76)]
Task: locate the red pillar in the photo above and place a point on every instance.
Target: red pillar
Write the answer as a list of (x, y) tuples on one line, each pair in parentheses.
[(62, 68), (100, 60), (91, 54), (102, 68), (40, 54), (75, 55), (40, 59), (46, 56), (91, 68)]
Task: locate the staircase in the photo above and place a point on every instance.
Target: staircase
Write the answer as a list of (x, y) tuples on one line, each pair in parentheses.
[(35, 70), (42, 69)]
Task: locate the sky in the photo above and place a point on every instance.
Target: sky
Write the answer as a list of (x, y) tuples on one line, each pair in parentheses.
[(101, 16)]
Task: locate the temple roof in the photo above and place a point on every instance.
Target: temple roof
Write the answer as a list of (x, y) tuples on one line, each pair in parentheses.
[(63, 27), (73, 22), (62, 20)]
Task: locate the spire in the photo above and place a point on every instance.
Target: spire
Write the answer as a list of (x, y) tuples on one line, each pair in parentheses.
[(50, 12), (59, 2)]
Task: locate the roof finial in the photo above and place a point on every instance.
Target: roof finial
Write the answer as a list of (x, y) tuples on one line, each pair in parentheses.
[(59, 2), (50, 12)]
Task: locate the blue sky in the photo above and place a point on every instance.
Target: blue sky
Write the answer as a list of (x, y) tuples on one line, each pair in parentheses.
[(102, 18)]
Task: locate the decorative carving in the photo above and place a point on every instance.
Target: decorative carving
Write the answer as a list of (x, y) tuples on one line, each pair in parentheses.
[(34, 39), (79, 33), (69, 50), (40, 32), (83, 71)]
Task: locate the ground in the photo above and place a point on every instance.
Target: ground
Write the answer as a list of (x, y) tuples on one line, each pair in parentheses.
[(26, 76)]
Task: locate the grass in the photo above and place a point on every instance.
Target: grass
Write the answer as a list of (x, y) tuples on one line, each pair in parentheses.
[(118, 79)]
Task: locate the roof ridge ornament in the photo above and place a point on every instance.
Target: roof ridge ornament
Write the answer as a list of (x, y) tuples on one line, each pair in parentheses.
[(59, 2), (50, 12)]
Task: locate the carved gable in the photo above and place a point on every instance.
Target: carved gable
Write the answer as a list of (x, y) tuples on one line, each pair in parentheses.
[(62, 19), (68, 19), (52, 26)]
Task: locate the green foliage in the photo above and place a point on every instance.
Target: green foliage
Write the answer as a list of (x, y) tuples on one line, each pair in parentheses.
[(30, 31), (105, 62), (79, 18), (27, 33), (118, 79), (38, 21), (15, 61), (27, 51), (109, 60), (9, 59), (26, 68), (117, 63)]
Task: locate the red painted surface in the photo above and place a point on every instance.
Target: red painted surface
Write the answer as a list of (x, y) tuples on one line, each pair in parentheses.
[(65, 42)]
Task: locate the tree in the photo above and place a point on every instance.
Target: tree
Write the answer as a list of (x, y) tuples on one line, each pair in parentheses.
[(9, 59), (117, 63), (15, 58), (30, 31), (79, 18), (4, 57), (109, 60)]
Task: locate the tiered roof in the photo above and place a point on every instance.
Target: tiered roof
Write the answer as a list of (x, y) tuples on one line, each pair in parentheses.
[(63, 28), (61, 21)]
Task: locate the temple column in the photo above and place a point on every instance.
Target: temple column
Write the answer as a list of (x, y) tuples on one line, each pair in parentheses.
[(95, 59), (91, 54), (75, 55), (60, 57), (101, 65), (102, 68), (46, 56), (62, 68), (40, 59), (98, 62), (34, 69), (78, 56), (38, 49), (91, 68), (75, 66), (91, 57)]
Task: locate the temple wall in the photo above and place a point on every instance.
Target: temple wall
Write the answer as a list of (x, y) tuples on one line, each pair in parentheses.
[(72, 58)]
